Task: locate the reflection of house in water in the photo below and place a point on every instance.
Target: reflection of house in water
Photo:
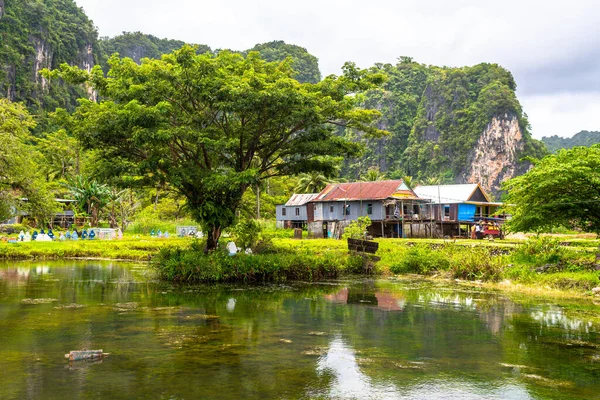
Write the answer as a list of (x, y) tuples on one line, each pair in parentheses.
[(339, 297), (16, 275), (497, 315), (382, 300)]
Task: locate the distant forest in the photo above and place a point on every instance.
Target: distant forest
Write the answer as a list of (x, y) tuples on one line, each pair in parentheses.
[(583, 138)]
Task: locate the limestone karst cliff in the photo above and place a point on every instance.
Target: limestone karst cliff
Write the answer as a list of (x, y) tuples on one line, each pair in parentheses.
[(38, 35), (495, 157), (449, 125)]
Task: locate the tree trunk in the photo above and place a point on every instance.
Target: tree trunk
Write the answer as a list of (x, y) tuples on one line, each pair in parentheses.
[(94, 220), (156, 199), (212, 238), (77, 161), (113, 217), (257, 202)]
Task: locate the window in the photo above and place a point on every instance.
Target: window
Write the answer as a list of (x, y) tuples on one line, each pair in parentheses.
[(369, 209), (283, 211), (447, 211), (297, 211), (330, 209), (347, 207)]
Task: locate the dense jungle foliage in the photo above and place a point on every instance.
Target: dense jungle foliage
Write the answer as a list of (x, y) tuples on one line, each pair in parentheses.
[(584, 138)]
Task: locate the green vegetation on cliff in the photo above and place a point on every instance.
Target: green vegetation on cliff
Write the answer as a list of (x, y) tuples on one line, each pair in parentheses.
[(137, 45), (43, 34), (305, 64), (583, 138), (436, 115)]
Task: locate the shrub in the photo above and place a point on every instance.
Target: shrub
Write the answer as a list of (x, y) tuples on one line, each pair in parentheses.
[(246, 233), (539, 251), (14, 228), (357, 228), (192, 265), (476, 263), (420, 259)]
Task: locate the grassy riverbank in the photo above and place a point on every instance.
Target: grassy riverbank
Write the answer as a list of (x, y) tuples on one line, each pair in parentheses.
[(138, 249), (547, 262)]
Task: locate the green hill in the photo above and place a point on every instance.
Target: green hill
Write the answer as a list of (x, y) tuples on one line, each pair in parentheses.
[(583, 138)]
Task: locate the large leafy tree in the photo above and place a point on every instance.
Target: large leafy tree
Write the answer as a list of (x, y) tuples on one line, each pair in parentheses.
[(19, 172), (213, 125), (561, 190)]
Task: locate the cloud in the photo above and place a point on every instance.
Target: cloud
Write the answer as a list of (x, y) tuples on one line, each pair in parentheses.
[(563, 115), (552, 47)]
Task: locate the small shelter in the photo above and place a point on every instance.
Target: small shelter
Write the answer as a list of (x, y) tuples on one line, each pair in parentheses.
[(294, 213)]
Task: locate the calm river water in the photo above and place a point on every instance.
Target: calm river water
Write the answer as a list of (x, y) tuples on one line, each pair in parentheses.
[(359, 339)]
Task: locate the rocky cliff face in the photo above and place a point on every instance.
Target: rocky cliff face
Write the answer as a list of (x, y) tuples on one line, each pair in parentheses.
[(38, 35), (469, 127), (42, 59), (495, 157)]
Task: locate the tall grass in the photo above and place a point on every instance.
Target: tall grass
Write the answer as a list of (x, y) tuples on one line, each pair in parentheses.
[(193, 265)]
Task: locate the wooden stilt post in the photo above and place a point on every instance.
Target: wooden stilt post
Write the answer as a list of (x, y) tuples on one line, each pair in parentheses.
[(401, 216), (382, 234)]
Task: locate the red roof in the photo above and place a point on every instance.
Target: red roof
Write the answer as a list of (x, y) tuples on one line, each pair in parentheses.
[(377, 190)]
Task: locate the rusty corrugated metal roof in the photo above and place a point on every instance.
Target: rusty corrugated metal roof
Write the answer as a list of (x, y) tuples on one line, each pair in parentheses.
[(377, 190), (300, 199)]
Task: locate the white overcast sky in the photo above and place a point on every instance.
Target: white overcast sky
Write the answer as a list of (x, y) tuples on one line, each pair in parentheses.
[(551, 47)]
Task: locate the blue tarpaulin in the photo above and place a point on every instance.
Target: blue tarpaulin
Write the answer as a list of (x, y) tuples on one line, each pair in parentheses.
[(466, 212)]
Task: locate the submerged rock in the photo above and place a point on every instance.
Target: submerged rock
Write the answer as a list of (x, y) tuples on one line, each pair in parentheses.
[(125, 306), (315, 351), (72, 305), (38, 301)]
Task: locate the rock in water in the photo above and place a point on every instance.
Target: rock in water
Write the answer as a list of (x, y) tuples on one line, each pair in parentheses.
[(77, 355)]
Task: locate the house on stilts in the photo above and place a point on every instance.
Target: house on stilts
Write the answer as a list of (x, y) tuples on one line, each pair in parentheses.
[(294, 213), (457, 208), (391, 205), (396, 211)]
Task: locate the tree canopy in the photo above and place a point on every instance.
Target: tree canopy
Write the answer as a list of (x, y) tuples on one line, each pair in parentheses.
[(19, 176), (561, 190), (213, 125)]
